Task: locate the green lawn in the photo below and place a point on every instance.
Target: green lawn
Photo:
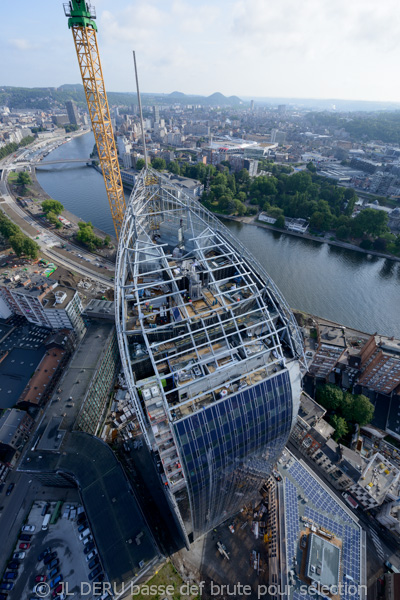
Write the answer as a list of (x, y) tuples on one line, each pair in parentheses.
[(12, 177), (157, 587)]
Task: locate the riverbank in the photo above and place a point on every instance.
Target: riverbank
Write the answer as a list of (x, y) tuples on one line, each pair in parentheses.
[(308, 236), (33, 209)]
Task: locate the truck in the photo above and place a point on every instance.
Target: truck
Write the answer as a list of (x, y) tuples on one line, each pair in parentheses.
[(45, 524)]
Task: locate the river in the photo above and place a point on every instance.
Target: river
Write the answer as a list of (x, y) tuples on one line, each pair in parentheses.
[(346, 286)]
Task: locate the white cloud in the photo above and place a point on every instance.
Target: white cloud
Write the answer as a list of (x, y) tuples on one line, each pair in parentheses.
[(319, 48), (22, 44)]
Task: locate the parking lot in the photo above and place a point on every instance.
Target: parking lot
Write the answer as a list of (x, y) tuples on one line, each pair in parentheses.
[(62, 554)]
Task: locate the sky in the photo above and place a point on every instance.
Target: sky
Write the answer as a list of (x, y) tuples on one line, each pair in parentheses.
[(255, 48)]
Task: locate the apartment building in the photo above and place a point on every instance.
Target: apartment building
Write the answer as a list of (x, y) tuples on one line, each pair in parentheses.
[(41, 300)]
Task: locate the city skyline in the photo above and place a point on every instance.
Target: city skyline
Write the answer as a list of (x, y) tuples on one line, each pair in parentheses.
[(335, 51)]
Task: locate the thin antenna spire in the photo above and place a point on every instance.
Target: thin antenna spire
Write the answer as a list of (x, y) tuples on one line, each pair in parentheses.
[(140, 111)]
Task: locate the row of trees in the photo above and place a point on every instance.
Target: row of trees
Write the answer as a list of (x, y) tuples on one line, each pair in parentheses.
[(344, 408), (301, 195), (13, 146), (19, 242)]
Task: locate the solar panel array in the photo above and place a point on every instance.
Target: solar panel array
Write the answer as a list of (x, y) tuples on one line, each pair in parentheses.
[(328, 514), (315, 493), (292, 519)]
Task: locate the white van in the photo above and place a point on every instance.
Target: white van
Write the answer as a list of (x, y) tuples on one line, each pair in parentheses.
[(45, 524)]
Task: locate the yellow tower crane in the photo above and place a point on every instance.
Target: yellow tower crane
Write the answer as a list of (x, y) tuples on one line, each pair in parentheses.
[(80, 20)]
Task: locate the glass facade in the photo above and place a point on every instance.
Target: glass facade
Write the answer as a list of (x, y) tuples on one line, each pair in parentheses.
[(229, 448)]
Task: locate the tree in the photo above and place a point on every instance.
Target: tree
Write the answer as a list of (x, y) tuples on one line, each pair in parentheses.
[(23, 179), (370, 222), (343, 232), (366, 244), (240, 207), (357, 409), (52, 206), (21, 244), (140, 164), (158, 163), (330, 396), (340, 426), (30, 248), (107, 240), (311, 167), (280, 222), (54, 220), (17, 243), (173, 167), (243, 176), (7, 227), (86, 235), (380, 244)]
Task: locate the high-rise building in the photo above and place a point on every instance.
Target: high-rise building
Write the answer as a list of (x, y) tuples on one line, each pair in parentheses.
[(72, 112), (210, 350), (252, 105), (156, 114)]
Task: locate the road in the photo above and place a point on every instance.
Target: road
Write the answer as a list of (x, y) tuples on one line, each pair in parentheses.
[(47, 239), (381, 545)]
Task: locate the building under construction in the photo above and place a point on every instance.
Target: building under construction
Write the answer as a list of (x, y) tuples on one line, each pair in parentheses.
[(211, 353)]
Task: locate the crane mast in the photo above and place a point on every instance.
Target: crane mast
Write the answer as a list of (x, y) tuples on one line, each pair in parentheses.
[(80, 20)]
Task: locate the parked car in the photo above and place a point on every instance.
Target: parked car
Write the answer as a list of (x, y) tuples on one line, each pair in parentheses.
[(10, 575), (3, 596), (50, 557), (91, 554), (24, 546), (18, 555), (53, 564), (45, 509), (58, 590), (6, 586), (25, 537), (99, 577), (53, 572), (95, 572), (87, 540), (28, 528), (40, 578), (88, 547), (14, 564), (10, 489), (45, 553), (93, 562), (84, 533), (82, 526), (56, 581)]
